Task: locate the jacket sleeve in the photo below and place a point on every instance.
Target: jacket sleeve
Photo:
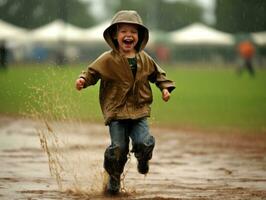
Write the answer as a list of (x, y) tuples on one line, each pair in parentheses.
[(158, 76), (92, 74)]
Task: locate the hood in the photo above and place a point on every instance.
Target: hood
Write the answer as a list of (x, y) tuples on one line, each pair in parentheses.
[(129, 17)]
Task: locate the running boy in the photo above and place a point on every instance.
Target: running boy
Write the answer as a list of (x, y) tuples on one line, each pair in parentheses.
[(125, 93)]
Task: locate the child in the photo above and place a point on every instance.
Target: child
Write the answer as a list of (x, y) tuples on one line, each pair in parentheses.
[(125, 93)]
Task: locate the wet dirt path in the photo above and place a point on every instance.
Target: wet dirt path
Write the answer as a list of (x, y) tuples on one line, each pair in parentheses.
[(184, 166)]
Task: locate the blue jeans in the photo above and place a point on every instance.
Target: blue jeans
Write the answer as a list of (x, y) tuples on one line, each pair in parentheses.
[(121, 131)]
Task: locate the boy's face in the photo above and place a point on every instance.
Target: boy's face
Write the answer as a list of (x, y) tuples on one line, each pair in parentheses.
[(127, 37)]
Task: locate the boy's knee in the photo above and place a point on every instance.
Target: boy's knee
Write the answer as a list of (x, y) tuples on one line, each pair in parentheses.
[(144, 149), (148, 141), (115, 152), (115, 158)]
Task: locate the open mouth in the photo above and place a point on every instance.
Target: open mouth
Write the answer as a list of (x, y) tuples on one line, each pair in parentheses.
[(128, 41)]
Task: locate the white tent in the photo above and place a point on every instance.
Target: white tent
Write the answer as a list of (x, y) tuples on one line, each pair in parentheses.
[(157, 36), (57, 31), (95, 33), (200, 34), (11, 33), (259, 38)]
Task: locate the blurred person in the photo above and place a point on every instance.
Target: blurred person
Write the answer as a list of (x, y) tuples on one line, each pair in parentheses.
[(3, 55), (125, 93), (246, 51), (163, 53), (60, 57)]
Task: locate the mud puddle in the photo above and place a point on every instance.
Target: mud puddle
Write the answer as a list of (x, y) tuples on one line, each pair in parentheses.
[(184, 166)]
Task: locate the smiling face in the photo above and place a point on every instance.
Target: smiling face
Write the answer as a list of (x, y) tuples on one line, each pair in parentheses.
[(127, 38)]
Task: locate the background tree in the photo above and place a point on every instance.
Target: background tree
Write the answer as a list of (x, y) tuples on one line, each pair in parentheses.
[(161, 14), (177, 14), (241, 15), (34, 13)]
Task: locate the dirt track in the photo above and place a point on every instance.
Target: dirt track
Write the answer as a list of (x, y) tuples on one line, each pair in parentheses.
[(185, 165)]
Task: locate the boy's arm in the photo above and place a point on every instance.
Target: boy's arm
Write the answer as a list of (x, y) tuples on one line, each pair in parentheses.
[(90, 77), (159, 78), (158, 75), (94, 71)]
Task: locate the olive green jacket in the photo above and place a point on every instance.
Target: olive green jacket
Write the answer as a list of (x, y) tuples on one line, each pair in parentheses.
[(123, 96)]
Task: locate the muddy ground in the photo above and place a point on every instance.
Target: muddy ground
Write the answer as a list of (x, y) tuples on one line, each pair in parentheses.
[(185, 165)]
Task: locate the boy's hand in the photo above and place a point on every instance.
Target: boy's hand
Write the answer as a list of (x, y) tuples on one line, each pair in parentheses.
[(165, 95), (80, 83)]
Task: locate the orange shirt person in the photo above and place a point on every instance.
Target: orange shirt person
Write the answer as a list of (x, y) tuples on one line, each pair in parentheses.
[(246, 51)]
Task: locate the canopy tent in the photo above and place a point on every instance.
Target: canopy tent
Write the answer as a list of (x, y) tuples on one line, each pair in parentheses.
[(198, 33), (57, 31), (157, 36), (95, 33), (259, 38), (11, 33)]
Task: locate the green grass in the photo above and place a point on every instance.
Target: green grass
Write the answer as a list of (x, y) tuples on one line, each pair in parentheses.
[(208, 99), (217, 99)]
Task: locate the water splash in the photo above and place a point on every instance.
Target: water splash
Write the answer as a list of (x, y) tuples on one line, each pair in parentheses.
[(49, 103), (50, 141)]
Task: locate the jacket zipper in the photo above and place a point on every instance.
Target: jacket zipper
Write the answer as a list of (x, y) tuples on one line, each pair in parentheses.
[(134, 81)]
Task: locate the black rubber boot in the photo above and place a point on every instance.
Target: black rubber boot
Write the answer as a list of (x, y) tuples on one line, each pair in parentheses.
[(143, 166), (114, 162), (143, 153), (113, 185)]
